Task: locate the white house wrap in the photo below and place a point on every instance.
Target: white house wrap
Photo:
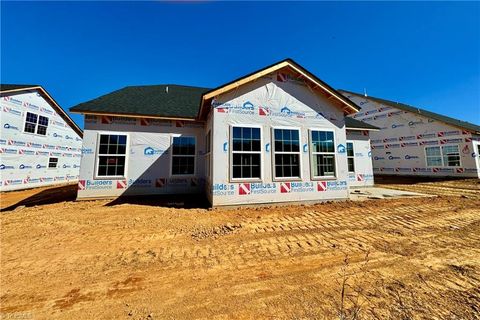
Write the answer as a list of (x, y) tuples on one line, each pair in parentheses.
[(277, 135), (39, 144), (148, 160), (412, 141)]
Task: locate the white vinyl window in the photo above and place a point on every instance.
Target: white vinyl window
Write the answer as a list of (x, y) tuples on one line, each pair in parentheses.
[(451, 156), (52, 163), (208, 146), (446, 156), (246, 155), (35, 123), (183, 156), (350, 157), (433, 156), (112, 152), (286, 150), (322, 152)]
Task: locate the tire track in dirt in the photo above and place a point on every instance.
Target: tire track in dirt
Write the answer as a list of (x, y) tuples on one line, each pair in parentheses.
[(104, 262)]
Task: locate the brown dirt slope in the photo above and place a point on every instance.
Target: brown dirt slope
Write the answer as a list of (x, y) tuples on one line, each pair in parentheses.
[(392, 259)]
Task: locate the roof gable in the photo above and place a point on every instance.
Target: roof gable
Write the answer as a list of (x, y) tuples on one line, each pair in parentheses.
[(290, 66), (429, 114), (190, 103), (8, 89)]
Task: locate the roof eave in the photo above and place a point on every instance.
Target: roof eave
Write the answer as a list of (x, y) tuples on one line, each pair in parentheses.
[(362, 129), (21, 89), (129, 115), (437, 117)]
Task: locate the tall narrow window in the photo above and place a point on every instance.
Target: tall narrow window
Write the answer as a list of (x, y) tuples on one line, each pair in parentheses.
[(111, 155), (246, 153), (286, 153), (208, 145), (322, 150), (350, 157), (433, 156), (35, 123), (183, 156), (451, 156)]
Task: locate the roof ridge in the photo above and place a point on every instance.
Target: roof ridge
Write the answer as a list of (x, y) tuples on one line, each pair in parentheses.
[(164, 84)]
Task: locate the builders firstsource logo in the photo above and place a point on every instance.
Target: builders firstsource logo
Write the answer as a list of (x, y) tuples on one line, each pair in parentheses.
[(223, 189), (292, 187), (12, 111), (95, 185), (256, 188)]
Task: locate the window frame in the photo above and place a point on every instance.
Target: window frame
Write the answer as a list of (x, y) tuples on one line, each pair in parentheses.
[(36, 124), (442, 156), (172, 175), (208, 154), (97, 156), (426, 156), (352, 157), (459, 156), (56, 163), (334, 153), (273, 152), (230, 155)]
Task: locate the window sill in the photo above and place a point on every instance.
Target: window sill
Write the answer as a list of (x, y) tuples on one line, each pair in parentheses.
[(35, 134), (109, 178), (254, 180), (329, 178), (287, 179)]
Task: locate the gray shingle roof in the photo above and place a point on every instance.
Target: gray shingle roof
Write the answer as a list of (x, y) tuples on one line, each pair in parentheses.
[(155, 100), (429, 114), (7, 87), (351, 123)]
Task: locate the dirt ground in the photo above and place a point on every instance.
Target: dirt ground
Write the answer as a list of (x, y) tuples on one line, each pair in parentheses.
[(416, 258)]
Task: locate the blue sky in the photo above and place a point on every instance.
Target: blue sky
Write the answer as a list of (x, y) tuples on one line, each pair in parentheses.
[(424, 54)]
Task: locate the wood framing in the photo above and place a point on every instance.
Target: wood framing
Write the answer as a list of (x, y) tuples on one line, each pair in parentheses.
[(348, 106)]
